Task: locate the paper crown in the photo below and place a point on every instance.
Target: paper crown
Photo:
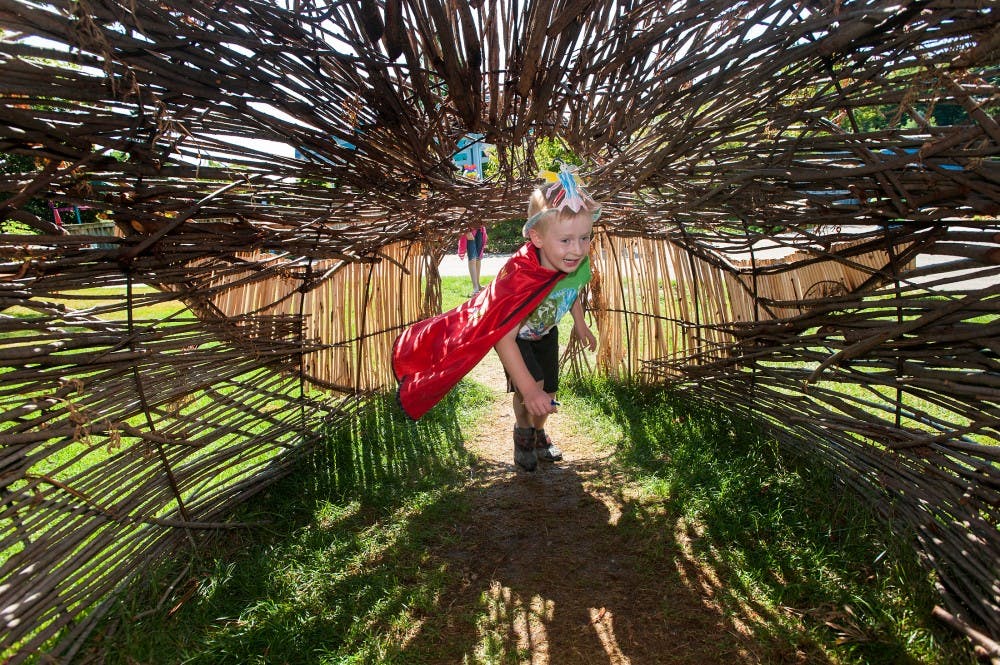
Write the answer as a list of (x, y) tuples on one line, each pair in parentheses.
[(565, 189), (562, 190)]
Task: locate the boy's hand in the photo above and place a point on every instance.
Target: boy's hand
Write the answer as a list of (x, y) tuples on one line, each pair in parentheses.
[(539, 403), (587, 338)]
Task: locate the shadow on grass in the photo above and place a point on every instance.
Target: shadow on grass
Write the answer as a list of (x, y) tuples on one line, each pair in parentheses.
[(381, 550), (795, 548), (314, 581), (560, 568)]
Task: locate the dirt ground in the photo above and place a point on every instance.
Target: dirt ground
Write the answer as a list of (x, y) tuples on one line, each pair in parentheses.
[(575, 566)]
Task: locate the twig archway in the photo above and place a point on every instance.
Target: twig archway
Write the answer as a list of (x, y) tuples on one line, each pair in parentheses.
[(776, 176)]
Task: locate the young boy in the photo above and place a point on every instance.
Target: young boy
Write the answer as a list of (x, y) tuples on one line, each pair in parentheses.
[(529, 351), (517, 314)]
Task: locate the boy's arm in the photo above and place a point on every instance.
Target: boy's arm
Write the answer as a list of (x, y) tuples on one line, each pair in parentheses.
[(580, 326), (536, 401)]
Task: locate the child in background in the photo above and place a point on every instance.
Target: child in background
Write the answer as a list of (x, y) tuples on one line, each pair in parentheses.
[(517, 314), (473, 243)]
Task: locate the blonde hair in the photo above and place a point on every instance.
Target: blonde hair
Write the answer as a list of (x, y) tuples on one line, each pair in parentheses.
[(541, 210)]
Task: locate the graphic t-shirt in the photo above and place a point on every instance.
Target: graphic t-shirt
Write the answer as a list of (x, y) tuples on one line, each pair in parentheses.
[(556, 304)]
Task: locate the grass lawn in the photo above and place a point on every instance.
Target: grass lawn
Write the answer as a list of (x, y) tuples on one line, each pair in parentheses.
[(787, 538), (344, 573), (109, 303)]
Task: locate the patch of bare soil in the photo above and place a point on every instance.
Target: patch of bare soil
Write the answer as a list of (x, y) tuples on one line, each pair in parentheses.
[(569, 565)]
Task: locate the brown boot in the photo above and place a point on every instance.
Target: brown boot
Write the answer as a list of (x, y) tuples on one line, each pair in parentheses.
[(524, 448), (545, 450)]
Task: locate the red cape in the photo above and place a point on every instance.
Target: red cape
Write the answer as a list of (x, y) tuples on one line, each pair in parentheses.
[(433, 355)]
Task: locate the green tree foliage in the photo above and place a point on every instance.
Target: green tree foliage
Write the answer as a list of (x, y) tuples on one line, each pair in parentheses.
[(550, 153), (505, 236), (949, 114), (12, 166)]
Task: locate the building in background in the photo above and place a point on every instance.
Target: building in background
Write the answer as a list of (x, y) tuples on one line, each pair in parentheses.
[(471, 156)]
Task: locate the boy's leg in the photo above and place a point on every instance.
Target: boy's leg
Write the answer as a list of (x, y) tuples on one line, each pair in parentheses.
[(547, 355), (542, 360), (545, 450), (524, 436), (521, 415)]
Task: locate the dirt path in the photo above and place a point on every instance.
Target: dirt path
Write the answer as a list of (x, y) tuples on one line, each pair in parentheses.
[(571, 564)]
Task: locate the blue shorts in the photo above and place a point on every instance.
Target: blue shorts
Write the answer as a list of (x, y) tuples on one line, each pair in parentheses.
[(475, 246)]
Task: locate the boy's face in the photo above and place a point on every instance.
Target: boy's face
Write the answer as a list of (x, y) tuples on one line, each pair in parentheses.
[(563, 244)]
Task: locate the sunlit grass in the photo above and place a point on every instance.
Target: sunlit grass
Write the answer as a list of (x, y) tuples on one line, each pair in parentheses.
[(341, 573), (455, 290), (110, 303), (780, 531)]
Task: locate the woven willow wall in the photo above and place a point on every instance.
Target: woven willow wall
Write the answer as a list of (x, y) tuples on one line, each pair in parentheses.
[(849, 351), (271, 180)]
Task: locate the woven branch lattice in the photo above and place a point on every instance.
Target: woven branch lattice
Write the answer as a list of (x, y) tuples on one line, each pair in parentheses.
[(775, 176)]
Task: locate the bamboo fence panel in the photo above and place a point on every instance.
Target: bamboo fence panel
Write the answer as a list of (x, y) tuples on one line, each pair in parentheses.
[(269, 166), (357, 313), (354, 310), (646, 308), (811, 281)]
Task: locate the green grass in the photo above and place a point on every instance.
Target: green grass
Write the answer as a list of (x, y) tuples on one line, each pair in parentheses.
[(455, 290), (338, 575), (786, 538), (109, 303), (342, 573)]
